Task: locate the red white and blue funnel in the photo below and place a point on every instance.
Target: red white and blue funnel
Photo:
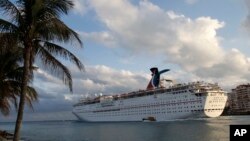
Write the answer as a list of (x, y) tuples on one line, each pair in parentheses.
[(154, 82)]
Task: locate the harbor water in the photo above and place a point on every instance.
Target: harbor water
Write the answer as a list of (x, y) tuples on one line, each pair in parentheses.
[(209, 129)]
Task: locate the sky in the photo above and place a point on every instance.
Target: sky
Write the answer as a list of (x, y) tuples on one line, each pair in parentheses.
[(198, 40)]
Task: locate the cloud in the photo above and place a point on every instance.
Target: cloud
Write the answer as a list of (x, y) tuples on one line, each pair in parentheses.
[(233, 70), (103, 79), (55, 96), (191, 1), (234, 63), (80, 6), (152, 30), (190, 43), (101, 37)]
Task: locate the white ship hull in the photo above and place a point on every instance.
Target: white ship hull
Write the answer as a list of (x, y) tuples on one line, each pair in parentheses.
[(160, 106)]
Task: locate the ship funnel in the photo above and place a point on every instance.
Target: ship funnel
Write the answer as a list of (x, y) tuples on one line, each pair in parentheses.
[(155, 80)]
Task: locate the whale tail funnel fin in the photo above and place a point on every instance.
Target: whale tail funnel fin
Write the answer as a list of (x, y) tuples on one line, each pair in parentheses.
[(155, 80), (154, 70)]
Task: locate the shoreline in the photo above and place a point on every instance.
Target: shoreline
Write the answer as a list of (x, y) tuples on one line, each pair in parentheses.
[(5, 136)]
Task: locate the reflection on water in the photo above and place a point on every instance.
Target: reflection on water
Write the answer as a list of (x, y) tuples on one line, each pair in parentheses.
[(212, 129)]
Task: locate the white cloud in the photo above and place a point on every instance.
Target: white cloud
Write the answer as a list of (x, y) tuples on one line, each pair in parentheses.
[(81, 6), (233, 64), (191, 1), (192, 44), (101, 37), (234, 69), (95, 80), (147, 28), (103, 79), (55, 96)]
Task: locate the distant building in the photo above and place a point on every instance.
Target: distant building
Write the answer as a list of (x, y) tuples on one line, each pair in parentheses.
[(239, 99)]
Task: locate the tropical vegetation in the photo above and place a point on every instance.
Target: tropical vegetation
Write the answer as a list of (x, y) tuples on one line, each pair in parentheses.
[(37, 27), (11, 79)]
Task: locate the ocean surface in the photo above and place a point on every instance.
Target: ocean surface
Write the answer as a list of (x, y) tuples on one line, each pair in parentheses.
[(212, 129)]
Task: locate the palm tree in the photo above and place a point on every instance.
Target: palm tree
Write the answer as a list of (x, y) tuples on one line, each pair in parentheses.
[(37, 26), (11, 81)]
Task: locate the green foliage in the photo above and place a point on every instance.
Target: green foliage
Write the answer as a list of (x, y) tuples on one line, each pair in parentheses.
[(36, 26), (37, 23), (11, 74)]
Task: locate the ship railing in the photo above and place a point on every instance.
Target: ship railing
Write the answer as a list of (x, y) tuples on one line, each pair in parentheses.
[(123, 96), (195, 87), (142, 93)]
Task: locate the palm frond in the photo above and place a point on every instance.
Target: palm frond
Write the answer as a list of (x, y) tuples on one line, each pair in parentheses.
[(11, 90), (56, 7), (55, 29), (62, 52), (6, 26), (8, 40), (49, 8), (4, 106), (9, 8), (16, 74), (31, 96), (11, 79), (55, 67), (10, 58)]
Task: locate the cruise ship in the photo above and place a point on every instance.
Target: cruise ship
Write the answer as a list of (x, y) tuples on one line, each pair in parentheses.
[(155, 103)]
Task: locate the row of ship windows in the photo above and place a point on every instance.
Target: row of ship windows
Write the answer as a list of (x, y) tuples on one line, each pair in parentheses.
[(124, 114), (176, 99), (179, 92), (167, 102), (164, 108), (148, 113), (221, 101), (171, 103), (161, 106), (141, 107), (146, 110), (216, 101), (216, 105)]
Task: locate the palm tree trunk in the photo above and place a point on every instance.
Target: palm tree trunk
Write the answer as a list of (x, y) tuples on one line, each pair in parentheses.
[(26, 74)]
